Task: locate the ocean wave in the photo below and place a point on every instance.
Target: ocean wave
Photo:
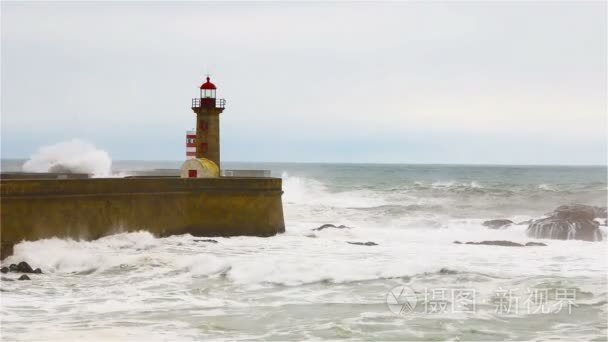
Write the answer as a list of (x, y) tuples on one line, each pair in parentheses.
[(71, 256), (293, 259), (203, 265), (308, 191), (407, 209)]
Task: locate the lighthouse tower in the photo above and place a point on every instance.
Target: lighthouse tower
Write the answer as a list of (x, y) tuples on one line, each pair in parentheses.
[(208, 110), (207, 143)]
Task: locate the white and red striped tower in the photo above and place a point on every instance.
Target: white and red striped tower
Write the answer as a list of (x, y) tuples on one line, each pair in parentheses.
[(190, 144)]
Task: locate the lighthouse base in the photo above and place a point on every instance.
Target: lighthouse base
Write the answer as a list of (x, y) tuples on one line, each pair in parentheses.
[(87, 209)]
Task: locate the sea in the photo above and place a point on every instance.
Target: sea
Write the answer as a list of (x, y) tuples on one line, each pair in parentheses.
[(393, 272)]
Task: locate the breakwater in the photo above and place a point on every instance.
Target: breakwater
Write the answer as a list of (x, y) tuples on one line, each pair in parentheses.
[(88, 209)]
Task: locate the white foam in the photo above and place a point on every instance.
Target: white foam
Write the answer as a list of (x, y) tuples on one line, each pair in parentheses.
[(203, 265), (73, 156), (547, 187), (67, 256)]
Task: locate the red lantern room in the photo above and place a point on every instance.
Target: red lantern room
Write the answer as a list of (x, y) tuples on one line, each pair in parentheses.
[(208, 90), (207, 98)]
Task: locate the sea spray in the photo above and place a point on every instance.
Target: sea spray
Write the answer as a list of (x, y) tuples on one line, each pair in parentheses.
[(73, 156)]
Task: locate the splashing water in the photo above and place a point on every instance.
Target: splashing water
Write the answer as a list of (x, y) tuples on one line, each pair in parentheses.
[(73, 156)]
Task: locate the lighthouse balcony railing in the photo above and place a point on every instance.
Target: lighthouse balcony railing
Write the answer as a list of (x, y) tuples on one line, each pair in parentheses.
[(199, 102)]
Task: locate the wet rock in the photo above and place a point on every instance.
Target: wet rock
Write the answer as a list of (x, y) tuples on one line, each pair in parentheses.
[(310, 236), (524, 222), (329, 225), (24, 267), (565, 229), (447, 271), (569, 222), (368, 243), (497, 243), (575, 212), (4, 270), (601, 212), (497, 224), (24, 277), (6, 279), (534, 244), (502, 243), (206, 240)]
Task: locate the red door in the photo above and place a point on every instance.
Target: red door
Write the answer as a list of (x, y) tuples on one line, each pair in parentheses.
[(191, 173)]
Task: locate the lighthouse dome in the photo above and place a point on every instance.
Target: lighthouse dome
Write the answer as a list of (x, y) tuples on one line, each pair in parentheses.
[(208, 85)]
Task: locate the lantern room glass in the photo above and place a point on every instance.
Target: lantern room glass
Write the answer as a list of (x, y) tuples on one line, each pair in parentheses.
[(207, 93)]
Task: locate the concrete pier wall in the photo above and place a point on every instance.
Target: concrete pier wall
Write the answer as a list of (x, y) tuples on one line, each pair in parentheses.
[(91, 208)]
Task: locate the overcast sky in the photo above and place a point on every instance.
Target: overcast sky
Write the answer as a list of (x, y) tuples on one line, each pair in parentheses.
[(494, 83)]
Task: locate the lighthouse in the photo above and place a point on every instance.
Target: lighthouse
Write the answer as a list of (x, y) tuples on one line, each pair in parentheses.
[(207, 142)]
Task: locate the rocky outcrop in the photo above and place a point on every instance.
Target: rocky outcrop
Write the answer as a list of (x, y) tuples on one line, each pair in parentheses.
[(569, 222), (534, 244), (22, 267), (447, 271), (329, 225), (502, 243), (601, 212), (24, 277), (206, 240), (368, 243), (497, 224)]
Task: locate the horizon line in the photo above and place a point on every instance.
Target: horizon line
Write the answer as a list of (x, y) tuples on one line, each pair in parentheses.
[(347, 163)]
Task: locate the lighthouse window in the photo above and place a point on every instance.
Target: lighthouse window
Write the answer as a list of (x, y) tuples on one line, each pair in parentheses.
[(209, 93)]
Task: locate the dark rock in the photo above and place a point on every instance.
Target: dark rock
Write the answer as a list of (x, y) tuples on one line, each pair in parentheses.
[(569, 222), (368, 243), (565, 229), (6, 279), (575, 212), (524, 222), (502, 243), (601, 212), (534, 244), (329, 225), (447, 271), (458, 242), (24, 267), (24, 277), (497, 243), (496, 224), (4, 270), (206, 240)]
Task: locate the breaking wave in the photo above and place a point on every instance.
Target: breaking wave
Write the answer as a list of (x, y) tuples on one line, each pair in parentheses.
[(73, 156)]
